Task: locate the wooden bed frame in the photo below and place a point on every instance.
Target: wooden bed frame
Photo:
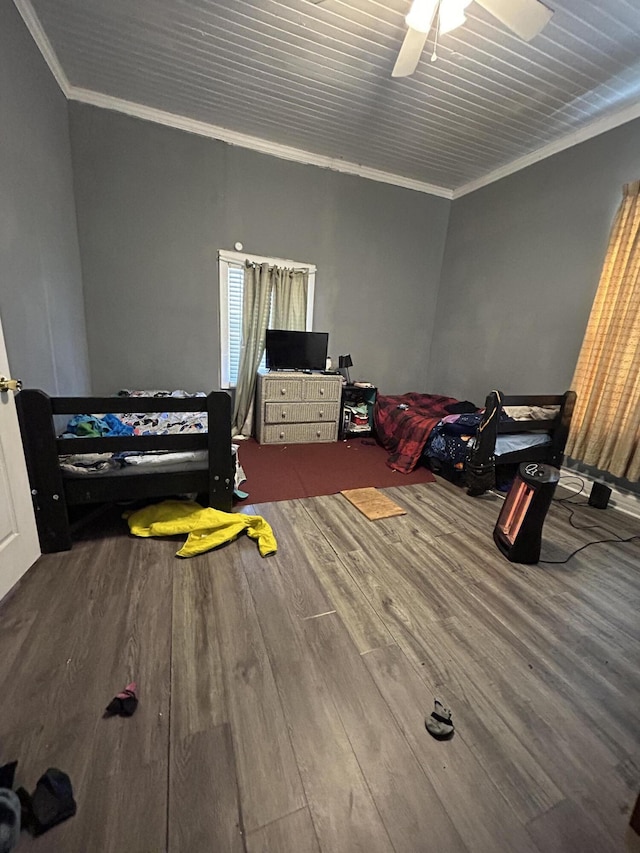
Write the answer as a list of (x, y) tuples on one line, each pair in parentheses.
[(53, 493), (480, 466)]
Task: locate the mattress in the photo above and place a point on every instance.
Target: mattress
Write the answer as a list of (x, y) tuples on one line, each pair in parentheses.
[(510, 442)]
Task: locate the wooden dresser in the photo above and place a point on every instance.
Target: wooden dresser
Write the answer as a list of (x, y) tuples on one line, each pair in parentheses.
[(296, 408)]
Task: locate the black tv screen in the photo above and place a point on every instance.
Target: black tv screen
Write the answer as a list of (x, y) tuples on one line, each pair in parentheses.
[(287, 350)]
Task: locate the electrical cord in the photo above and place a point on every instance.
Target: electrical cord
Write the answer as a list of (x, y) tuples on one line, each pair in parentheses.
[(582, 547), (567, 500), (563, 502), (575, 494), (567, 505)]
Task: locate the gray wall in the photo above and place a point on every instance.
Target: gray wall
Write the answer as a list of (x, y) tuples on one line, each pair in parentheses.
[(154, 206), (41, 301), (522, 263)]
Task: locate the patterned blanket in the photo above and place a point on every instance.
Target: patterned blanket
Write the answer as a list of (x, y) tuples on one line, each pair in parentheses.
[(404, 431)]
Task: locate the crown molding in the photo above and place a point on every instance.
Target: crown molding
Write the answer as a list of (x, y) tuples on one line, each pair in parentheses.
[(255, 143), (594, 128), (38, 34), (223, 134), (298, 155)]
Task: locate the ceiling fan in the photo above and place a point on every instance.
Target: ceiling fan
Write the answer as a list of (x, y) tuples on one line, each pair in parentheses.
[(525, 17)]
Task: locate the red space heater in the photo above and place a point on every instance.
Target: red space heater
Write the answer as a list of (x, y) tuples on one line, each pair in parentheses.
[(518, 532)]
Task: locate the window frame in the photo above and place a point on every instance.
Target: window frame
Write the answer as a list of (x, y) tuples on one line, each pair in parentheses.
[(225, 260)]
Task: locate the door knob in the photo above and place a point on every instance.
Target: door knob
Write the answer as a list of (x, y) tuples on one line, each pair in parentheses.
[(10, 384)]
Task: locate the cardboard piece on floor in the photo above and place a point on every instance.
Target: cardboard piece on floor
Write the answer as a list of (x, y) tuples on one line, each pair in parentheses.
[(373, 503)]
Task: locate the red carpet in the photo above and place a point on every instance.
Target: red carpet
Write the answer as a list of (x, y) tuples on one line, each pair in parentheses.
[(282, 472)]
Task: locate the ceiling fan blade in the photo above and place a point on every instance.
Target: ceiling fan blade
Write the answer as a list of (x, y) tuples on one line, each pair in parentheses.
[(525, 17), (410, 53)]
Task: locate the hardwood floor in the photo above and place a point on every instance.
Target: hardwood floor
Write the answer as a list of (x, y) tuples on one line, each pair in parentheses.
[(282, 700)]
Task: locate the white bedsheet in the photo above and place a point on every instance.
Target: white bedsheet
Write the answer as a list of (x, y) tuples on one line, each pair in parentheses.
[(510, 442)]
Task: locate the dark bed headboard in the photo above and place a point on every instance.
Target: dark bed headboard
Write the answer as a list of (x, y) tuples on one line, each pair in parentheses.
[(558, 427)]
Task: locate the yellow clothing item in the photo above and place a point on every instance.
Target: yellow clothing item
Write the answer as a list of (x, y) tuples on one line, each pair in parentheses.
[(207, 528)]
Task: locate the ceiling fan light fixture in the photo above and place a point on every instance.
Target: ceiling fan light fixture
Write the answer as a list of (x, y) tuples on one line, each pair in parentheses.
[(421, 14), (451, 15), (525, 18)]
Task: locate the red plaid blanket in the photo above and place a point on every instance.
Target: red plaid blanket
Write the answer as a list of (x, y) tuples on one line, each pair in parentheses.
[(404, 432)]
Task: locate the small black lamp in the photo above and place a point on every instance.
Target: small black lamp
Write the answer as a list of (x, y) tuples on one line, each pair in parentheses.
[(344, 363)]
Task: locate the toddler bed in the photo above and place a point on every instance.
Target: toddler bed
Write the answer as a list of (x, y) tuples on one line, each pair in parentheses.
[(465, 445), (166, 454)]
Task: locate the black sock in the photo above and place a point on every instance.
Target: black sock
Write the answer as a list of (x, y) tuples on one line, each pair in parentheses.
[(124, 703), (51, 802), (7, 772)]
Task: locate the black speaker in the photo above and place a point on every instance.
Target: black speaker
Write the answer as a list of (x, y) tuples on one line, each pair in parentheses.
[(599, 497)]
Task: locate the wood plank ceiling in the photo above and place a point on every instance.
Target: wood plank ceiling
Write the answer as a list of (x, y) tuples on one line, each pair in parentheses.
[(317, 75)]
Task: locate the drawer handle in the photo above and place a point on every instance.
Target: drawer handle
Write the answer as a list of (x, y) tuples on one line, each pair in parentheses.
[(281, 435), (321, 413), (283, 391), (284, 414), (318, 433), (321, 391)]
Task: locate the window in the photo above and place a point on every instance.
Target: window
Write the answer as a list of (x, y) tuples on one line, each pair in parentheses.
[(231, 279)]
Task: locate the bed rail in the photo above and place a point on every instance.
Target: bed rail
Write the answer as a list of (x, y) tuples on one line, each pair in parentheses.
[(480, 467), (53, 494)]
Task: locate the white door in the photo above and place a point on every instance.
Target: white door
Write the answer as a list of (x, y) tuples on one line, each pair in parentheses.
[(19, 546)]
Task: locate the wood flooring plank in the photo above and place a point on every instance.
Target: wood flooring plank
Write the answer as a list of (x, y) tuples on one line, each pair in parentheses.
[(566, 828), (133, 644), (124, 812), (14, 629), (364, 625), (451, 672), (340, 523), (428, 515), (535, 634), (447, 507), (268, 777), (300, 547), (414, 816), (61, 742), (55, 649), (481, 815), (540, 720), (93, 646), (204, 810), (534, 626), (344, 814), (538, 663), (316, 579), (541, 716), (293, 833), (556, 615), (198, 700)]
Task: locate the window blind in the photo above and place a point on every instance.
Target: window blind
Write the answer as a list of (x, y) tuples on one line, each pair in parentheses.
[(235, 284)]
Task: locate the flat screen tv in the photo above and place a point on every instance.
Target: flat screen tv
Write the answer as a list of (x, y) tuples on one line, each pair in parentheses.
[(287, 350)]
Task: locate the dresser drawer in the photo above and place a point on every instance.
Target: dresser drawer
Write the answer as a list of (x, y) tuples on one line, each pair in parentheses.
[(281, 389), (322, 388), (283, 413), (299, 433)]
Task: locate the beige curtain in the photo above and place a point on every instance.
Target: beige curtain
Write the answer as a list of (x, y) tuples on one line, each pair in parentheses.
[(605, 429), (256, 306), (289, 289), (290, 299)]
